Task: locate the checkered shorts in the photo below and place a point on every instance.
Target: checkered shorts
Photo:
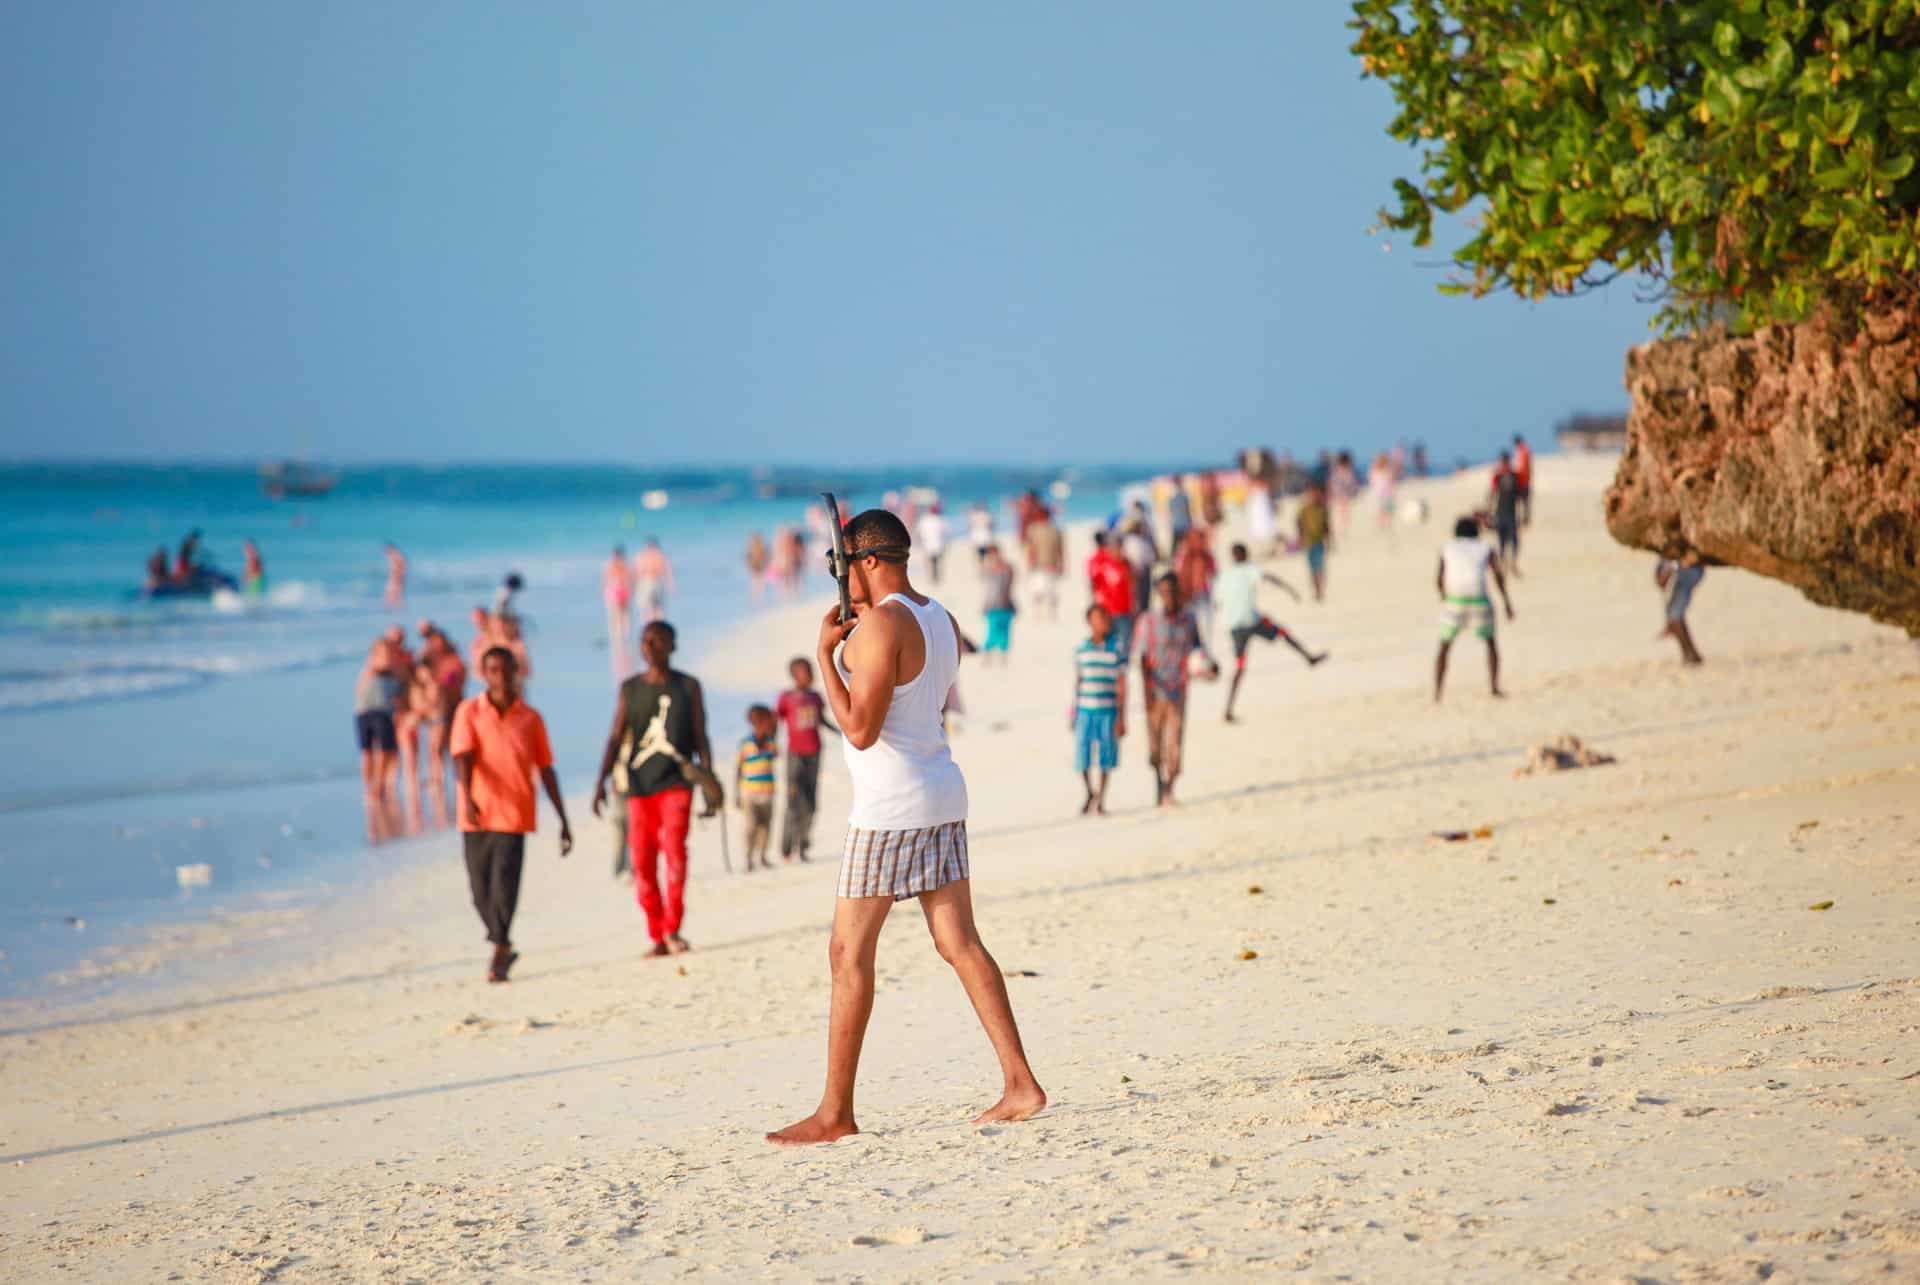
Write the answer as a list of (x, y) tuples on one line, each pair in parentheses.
[(902, 863)]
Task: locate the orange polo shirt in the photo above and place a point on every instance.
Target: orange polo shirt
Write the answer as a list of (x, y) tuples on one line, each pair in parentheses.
[(508, 749)]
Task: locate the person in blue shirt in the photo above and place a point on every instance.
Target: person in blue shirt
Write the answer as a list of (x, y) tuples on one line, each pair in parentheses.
[(1098, 715)]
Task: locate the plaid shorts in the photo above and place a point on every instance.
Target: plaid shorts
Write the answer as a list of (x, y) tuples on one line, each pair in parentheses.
[(902, 863)]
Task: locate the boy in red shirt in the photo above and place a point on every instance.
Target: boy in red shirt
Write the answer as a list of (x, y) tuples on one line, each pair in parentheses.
[(804, 713), (1111, 580)]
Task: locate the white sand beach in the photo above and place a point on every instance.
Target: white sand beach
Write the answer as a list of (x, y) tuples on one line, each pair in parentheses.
[(1283, 1028)]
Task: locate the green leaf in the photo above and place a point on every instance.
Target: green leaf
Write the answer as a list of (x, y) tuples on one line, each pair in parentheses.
[(1779, 60), (1893, 169), (1723, 98)]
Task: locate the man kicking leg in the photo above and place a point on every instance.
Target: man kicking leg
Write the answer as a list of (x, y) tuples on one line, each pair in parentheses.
[(907, 832), (1239, 591)]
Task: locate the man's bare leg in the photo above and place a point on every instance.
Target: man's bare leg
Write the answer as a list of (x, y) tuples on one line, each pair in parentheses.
[(856, 935), (949, 912), (1493, 667), (1233, 688), (1440, 670)]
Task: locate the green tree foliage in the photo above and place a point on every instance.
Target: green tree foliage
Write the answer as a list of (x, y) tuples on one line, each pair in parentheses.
[(1754, 157)]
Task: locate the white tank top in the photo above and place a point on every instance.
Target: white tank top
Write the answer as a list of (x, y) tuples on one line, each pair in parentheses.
[(907, 779)]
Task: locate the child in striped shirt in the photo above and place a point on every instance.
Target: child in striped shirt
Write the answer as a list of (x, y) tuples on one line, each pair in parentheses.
[(753, 783), (1098, 715)]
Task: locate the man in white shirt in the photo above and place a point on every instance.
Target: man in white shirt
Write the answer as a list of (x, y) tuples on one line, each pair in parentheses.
[(1465, 563), (907, 830), (931, 533)]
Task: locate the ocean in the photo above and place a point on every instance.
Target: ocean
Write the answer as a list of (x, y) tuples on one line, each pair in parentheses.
[(149, 735)]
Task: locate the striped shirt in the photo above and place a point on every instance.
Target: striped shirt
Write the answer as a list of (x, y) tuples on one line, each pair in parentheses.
[(1099, 667), (755, 764)]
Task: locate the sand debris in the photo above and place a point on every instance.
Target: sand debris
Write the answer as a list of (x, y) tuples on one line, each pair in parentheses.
[(1562, 754)]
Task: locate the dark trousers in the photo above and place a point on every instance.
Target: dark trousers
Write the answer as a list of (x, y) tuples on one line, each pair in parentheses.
[(1507, 531), (493, 872), (803, 794)]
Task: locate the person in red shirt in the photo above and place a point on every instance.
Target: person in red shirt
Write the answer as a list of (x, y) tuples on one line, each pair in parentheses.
[(499, 744), (1523, 474), (804, 713), (1111, 580)]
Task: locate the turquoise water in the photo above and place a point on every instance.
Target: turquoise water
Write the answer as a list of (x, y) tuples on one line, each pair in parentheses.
[(148, 735)]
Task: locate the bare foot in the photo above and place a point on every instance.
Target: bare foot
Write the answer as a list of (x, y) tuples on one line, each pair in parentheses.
[(1314, 660), (659, 951), (1230, 718), (1016, 1104), (677, 944), (1498, 694), (814, 1130)]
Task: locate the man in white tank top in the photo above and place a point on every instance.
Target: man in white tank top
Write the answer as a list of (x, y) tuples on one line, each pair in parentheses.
[(907, 833)]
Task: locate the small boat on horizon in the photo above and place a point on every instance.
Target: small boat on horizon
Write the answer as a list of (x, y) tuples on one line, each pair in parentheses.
[(290, 479)]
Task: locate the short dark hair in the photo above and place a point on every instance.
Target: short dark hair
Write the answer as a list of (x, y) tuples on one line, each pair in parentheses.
[(1467, 528), (1166, 578), (758, 711), (877, 528), (671, 632), (1239, 552), (504, 653), (1099, 608), (799, 660)]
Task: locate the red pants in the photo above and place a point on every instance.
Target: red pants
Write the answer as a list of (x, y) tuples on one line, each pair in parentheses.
[(657, 824)]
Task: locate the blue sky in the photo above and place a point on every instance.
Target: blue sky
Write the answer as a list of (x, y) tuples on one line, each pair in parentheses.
[(745, 232)]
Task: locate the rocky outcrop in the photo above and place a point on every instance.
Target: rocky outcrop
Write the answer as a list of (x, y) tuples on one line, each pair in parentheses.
[(1793, 452)]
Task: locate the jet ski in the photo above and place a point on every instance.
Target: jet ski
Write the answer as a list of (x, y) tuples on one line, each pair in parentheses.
[(204, 582)]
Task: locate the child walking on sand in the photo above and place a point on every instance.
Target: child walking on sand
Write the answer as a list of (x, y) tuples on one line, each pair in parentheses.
[(753, 783), (1098, 715), (805, 714)]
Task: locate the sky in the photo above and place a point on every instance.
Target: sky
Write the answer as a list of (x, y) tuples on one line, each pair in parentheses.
[(703, 232)]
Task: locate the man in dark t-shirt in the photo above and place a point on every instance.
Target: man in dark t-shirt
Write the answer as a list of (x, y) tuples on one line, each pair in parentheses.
[(661, 719)]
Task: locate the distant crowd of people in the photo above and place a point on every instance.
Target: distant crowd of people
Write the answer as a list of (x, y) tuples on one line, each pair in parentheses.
[(404, 708)]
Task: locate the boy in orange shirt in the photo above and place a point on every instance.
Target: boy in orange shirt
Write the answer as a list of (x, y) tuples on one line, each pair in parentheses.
[(499, 744)]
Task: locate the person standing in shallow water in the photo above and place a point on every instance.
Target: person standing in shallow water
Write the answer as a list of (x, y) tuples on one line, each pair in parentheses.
[(907, 833), (616, 587), (660, 723)]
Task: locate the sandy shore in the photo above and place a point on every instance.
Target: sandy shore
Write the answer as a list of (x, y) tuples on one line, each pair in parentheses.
[(1613, 1041)]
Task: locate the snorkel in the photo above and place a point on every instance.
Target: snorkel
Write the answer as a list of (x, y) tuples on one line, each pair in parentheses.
[(837, 555)]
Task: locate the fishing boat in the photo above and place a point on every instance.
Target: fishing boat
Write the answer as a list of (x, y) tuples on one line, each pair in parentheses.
[(290, 479)]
